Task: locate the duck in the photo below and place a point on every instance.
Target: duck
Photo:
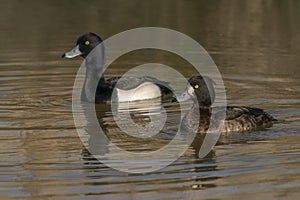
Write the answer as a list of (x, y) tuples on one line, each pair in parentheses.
[(238, 119), (127, 88)]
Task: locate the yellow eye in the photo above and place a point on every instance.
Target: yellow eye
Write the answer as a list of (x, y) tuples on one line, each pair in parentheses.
[(87, 42), (196, 86)]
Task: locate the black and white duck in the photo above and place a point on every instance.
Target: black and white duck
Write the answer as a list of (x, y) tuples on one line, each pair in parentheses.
[(128, 88)]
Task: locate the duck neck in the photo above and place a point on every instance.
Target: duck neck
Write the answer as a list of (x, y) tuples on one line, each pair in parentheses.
[(94, 69), (205, 112)]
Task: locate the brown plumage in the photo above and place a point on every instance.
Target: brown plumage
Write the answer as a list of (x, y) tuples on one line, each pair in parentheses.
[(237, 119)]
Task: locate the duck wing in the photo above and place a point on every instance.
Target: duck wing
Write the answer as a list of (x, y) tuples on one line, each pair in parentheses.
[(242, 118), (163, 85), (233, 112), (131, 82)]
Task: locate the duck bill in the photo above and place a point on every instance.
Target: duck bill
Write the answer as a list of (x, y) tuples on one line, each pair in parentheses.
[(182, 97), (186, 95), (73, 53)]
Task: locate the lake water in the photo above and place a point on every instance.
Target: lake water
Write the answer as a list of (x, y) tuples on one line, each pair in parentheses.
[(255, 45)]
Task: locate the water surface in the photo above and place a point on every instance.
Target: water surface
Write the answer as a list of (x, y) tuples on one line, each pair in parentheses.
[(255, 45)]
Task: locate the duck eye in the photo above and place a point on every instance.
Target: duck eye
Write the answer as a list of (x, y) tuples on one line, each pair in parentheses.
[(196, 86), (87, 43)]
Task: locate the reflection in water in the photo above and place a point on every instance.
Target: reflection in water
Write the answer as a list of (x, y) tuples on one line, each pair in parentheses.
[(140, 112), (140, 119), (192, 174), (128, 139), (255, 45)]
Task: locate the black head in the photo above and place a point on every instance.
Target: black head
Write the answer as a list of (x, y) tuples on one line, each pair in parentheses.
[(84, 45), (200, 89), (87, 43), (203, 89)]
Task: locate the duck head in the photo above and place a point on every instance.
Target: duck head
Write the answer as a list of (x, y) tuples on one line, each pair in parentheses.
[(94, 62), (84, 45), (200, 89)]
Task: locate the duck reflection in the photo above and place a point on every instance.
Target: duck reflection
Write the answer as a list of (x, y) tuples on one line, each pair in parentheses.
[(133, 127), (139, 115)]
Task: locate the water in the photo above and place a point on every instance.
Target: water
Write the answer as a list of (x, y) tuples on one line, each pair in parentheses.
[(255, 45)]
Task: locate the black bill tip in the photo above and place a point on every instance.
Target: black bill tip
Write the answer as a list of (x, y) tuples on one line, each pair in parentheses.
[(174, 99)]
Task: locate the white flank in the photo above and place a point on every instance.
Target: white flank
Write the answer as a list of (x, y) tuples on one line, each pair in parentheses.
[(144, 91)]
